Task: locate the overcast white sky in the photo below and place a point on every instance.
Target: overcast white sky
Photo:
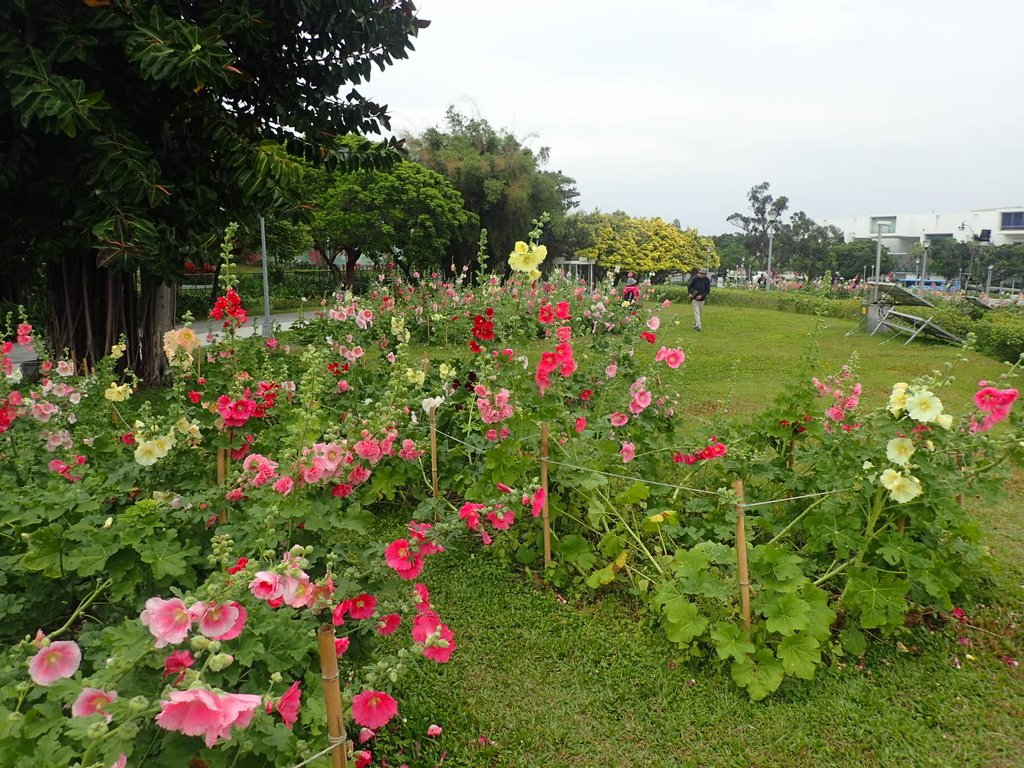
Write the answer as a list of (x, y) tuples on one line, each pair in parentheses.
[(675, 108)]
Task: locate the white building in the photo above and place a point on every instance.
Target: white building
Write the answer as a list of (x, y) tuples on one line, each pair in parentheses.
[(1000, 226)]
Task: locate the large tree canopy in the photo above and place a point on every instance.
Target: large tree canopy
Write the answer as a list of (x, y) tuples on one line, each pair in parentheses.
[(131, 133), (647, 245), (765, 217), (407, 214), (501, 180)]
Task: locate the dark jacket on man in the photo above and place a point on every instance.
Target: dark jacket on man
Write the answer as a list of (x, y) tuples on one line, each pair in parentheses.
[(700, 287)]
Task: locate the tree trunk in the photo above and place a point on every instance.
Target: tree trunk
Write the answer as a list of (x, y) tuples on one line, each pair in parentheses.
[(92, 307), (351, 258), (157, 318)]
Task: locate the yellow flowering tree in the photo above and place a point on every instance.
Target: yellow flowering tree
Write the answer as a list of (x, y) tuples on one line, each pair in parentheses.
[(647, 245)]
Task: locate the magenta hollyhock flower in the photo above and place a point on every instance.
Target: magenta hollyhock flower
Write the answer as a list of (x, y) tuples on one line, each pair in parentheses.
[(288, 705), (364, 758), (387, 625), (628, 452), (581, 424), (545, 314), (373, 709), (537, 503), (177, 663), (562, 310), (284, 485), (501, 518), (436, 637), (198, 712), (619, 419), (674, 358), (93, 701), (168, 620), (470, 512), (421, 596), (223, 621), (341, 645), (266, 585), (362, 607), (400, 556), (365, 734)]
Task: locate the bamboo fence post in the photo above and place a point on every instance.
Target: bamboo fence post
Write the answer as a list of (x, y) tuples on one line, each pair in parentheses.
[(741, 554), (433, 449), (960, 468), (544, 486), (222, 473), (332, 696)]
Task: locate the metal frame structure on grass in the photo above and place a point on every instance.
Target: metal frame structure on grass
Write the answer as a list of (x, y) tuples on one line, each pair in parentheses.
[(893, 296)]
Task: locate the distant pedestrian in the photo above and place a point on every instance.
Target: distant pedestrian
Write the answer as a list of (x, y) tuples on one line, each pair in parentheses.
[(630, 293), (699, 289)]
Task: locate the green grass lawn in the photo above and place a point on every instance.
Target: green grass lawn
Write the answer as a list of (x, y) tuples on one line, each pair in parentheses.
[(552, 682)]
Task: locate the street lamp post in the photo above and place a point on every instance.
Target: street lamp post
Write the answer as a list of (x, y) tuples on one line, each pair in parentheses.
[(773, 217), (878, 262), (988, 280)]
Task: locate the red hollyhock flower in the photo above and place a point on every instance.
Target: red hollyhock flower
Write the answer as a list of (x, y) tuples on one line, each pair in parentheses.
[(288, 705)]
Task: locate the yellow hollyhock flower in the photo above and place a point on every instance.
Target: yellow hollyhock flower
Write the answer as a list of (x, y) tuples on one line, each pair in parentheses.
[(117, 393), (905, 488), (924, 406), (899, 450)]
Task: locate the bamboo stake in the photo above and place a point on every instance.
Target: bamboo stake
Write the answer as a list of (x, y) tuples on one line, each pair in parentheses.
[(222, 473), (544, 486), (433, 449), (960, 469), (332, 696), (741, 554)]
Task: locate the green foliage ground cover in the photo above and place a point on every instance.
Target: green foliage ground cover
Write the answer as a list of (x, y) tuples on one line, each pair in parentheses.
[(571, 679)]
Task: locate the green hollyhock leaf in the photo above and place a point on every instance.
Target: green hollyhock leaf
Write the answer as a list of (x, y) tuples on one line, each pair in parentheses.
[(90, 559), (730, 640), (601, 577), (881, 598), (596, 514), (611, 545), (636, 493), (821, 616), (799, 654), (683, 621), (853, 641), (167, 557), (576, 549), (760, 674), (787, 614), (776, 567)]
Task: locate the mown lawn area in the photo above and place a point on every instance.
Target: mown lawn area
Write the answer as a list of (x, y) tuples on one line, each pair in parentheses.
[(578, 679)]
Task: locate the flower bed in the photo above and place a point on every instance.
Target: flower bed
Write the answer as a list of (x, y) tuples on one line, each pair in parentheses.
[(201, 546)]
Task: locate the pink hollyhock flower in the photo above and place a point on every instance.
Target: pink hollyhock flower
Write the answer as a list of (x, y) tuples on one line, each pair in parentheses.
[(288, 705), (501, 518), (674, 358), (537, 503), (359, 474), (121, 762), (990, 399), (581, 424), (341, 645), (437, 638), (222, 621), (362, 607), (628, 452), (177, 663), (653, 323), (433, 731), (93, 701), (387, 625), (284, 485), (266, 585), (611, 371), (55, 662), (168, 620), (198, 712), (400, 556), (421, 596), (470, 512), (364, 757), (491, 435), (503, 488), (373, 709), (619, 419), (342, 490), (562, 310), (365, 734)]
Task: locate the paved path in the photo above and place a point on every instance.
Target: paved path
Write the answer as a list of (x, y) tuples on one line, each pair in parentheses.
[(282, 321)]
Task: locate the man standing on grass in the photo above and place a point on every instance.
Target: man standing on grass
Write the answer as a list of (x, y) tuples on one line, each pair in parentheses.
[(699, 288)]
